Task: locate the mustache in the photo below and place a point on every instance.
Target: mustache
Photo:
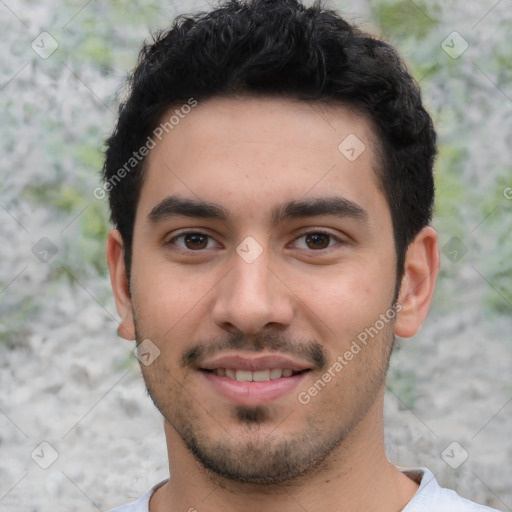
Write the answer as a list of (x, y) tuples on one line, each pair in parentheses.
[(272, 342)]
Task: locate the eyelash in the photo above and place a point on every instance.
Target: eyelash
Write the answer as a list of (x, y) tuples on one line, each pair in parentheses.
[(312, 232)]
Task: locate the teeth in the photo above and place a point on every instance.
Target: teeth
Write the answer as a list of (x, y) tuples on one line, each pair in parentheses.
[(276, 373), (258, 376), (261, 375), (243, 375)]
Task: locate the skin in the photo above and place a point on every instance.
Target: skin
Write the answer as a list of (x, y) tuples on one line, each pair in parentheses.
[(250, 155)]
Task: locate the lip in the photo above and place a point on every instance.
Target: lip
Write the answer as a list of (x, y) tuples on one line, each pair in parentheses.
[(252, 393), (254, 363)]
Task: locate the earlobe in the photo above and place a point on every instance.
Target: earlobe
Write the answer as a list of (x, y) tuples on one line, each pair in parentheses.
[(120, 285), (418, 282)]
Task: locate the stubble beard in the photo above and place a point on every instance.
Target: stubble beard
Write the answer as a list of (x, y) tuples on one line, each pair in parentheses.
[(256, 457)]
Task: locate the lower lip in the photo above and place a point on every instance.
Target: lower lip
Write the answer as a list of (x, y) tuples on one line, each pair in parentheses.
[(253, 393)]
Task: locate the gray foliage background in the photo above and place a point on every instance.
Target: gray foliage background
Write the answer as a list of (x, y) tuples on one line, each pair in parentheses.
[(65, 377)]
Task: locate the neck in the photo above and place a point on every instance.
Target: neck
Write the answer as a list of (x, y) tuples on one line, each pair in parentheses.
[(355, 477)]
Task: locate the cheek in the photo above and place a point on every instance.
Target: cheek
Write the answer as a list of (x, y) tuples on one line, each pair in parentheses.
[(157, 281), (168, 297), (349, 288), (342, 303)]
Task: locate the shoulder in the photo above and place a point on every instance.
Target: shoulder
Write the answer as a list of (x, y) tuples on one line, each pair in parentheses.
[(431, 496), (142, 504)]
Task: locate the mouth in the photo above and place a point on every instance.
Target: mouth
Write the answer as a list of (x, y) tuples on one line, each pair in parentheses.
[(246, 379), (255, 376)]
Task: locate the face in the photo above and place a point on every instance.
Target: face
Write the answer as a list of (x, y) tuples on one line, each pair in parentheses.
[(260, 253)]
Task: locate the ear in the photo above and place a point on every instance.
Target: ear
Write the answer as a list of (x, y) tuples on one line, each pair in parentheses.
[(418, 282), (120, 284)]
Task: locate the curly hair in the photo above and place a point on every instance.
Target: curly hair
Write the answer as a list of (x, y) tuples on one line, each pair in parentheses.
[(283, 48)]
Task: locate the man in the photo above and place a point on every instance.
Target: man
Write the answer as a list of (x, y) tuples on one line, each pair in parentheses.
[(270, 181)]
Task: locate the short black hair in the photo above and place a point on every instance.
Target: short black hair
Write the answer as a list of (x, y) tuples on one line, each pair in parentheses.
[(283, 48)]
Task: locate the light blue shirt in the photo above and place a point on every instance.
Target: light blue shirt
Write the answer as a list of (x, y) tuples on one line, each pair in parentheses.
[(429, 497)]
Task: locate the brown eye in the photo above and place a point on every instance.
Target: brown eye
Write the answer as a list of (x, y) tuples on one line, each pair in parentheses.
[(196, 241), (317, 240), (192, 241)]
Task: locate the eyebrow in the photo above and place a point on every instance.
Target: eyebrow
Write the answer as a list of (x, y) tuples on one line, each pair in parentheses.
[(314, 207), (174, 206)]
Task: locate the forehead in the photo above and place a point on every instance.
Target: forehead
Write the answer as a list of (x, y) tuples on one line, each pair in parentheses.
[(251, 151)]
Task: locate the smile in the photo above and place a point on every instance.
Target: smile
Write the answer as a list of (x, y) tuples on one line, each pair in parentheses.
[(254, 376)]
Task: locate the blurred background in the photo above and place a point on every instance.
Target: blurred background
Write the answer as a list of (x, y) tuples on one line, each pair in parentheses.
[(77, 431)]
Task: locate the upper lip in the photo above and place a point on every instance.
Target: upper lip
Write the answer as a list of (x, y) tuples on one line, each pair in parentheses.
[(253, 363)]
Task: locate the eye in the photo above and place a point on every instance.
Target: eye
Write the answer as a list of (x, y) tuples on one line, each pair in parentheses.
[(193, 241), (316, 240)]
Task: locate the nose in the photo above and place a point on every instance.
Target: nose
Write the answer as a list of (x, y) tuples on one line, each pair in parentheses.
[(252, 297)]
